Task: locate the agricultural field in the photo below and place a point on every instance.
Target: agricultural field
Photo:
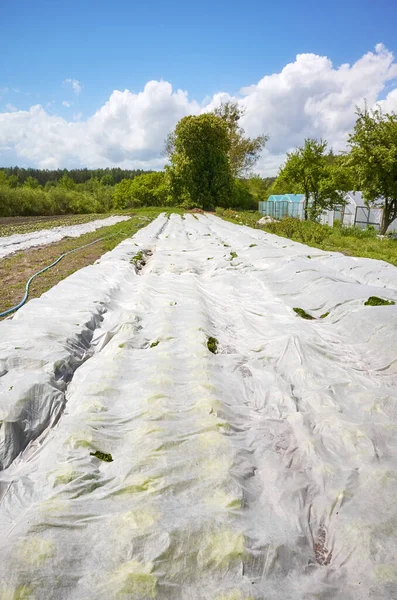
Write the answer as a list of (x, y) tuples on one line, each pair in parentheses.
[(9, 244), (14, 225), (17, 268), (206, 412)]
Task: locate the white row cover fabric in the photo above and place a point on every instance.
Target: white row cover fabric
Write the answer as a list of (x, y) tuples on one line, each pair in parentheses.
[(21, 241), (265, 471)]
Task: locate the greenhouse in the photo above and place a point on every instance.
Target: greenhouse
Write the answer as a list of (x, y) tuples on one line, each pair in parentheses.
[(355, 213), (283, 205)]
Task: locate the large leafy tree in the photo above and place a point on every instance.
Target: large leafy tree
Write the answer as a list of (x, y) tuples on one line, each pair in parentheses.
[(244, 151), (199, 173), (373, 157), (308, 170)]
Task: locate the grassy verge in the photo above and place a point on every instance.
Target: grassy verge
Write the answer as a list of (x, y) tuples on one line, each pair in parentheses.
[(16, 269), (12, 225), (348, 240)]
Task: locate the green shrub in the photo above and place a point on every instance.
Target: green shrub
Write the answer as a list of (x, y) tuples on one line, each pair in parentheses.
[(28, 201), (242, 198), (149, 189)]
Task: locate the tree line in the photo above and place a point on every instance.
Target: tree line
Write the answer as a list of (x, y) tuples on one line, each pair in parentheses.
[(18, 176), (210, 163)]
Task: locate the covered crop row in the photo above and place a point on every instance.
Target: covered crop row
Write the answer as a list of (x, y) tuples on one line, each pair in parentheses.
[(173, 428)]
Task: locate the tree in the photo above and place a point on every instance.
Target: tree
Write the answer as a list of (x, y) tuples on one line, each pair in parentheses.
[(107, 179), (373, 157), (66, 182), (149, 189), (244, 151), (200, 173), (309, 171), (13, 181), (31, 182)]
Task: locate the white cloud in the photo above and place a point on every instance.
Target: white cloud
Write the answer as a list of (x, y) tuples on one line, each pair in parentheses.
[(67, 103), (11, 108), (309, 97), (76, 85), (389, 104), (312, 98)]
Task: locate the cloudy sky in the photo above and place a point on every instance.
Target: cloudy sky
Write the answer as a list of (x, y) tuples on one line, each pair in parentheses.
[(101, 84)]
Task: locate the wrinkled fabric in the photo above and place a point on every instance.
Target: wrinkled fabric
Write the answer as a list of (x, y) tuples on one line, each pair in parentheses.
[(265, 471), (21, 241)]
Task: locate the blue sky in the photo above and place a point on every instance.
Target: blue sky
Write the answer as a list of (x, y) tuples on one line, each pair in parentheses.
[(214, 46)]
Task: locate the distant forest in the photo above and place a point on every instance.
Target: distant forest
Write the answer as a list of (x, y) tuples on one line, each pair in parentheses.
[(78, 175)]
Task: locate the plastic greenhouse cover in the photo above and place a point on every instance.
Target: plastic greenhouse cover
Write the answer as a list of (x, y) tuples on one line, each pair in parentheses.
[(266, 471), (22, 241)]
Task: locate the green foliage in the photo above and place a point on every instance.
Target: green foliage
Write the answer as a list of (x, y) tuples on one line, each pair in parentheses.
[(243, 151), (27, 201), (375, 301), (323, 316), (66, 183), (107, 179), (310, 232), (79, 176), (200, 174), (102, 456), (302, 313), (309, 171), (233, 255), (260, 187), (139, 260), (373, 157), (242, 198), (149, 189), (12, 181), (49, 184), (154, 344), (32, 183), (212, 345)]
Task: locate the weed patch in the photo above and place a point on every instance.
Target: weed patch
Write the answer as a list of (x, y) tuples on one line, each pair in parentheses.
[(212, 345), (138, 257), (303, 314), (233, 255), (375, 301), (102, 456)]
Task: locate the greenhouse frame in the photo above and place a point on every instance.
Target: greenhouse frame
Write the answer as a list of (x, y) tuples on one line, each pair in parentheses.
[(354, 213)]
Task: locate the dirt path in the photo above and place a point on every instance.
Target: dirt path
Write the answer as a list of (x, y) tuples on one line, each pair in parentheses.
[(264, 470)]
